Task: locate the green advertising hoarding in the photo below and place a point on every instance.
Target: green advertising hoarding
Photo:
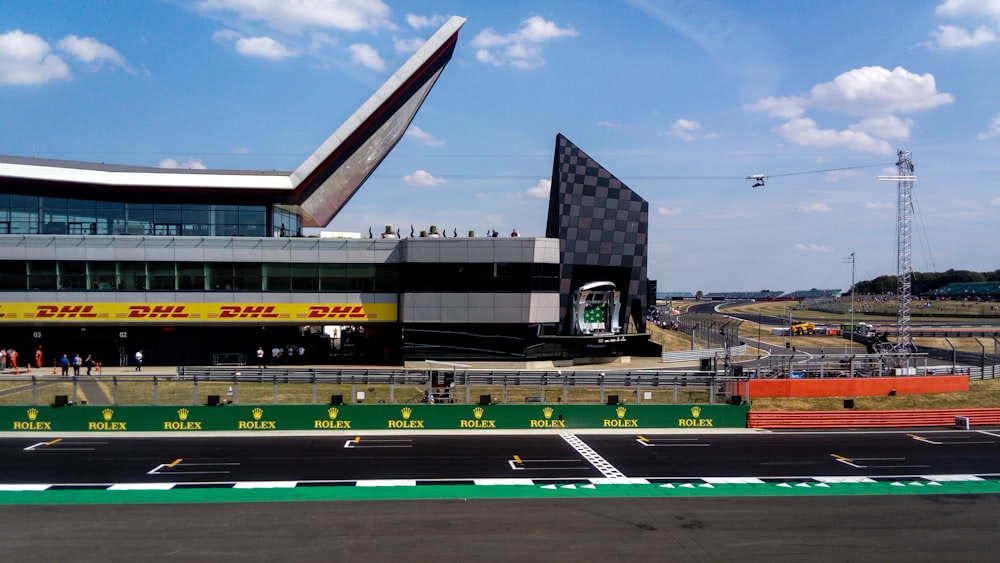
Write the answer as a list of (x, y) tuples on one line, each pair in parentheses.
[(402, 418)]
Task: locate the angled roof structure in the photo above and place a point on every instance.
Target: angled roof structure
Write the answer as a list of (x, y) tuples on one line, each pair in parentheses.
[(319, 188)]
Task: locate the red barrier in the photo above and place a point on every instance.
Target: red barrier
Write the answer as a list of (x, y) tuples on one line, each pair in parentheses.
[(869, 419), (854, 386)]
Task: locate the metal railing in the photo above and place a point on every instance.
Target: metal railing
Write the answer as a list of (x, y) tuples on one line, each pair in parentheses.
[(196, 385)]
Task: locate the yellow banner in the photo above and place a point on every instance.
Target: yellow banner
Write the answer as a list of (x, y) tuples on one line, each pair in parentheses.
[(257, 313)]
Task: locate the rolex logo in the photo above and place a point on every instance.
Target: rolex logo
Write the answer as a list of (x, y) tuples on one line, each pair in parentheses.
[(257, 413), (182, 414), (32, 414), (107, 414), (332, 411), (478, 412), (547, 411), (406, 412), (695, 411), (620, 411)]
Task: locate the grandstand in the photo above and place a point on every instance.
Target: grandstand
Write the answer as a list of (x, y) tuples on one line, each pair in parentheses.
[(674, 295), (811, 294), (986, 291), (764, 295)]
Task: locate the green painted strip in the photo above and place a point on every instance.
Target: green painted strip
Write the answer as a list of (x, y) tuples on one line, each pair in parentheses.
[(442, 492)]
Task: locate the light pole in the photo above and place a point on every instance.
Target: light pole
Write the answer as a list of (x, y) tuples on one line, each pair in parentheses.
[(758, 336), (852, 304)]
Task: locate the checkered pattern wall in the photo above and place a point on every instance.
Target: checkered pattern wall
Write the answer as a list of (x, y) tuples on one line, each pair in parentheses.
[(599, 221)]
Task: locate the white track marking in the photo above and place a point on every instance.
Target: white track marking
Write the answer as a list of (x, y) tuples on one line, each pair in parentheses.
[(602, 465)]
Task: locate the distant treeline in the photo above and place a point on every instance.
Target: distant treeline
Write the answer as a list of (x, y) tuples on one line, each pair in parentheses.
[(924, 282)]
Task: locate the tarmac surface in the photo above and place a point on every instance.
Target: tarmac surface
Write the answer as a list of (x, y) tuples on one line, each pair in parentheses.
[(865, 528)]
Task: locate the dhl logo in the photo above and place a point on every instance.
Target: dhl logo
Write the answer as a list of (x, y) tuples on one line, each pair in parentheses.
[(337, 312), (157, 312), (64, 311), (247, 311)]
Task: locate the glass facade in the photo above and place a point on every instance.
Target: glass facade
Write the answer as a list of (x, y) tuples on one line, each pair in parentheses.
[(33, 215), (67, 275)]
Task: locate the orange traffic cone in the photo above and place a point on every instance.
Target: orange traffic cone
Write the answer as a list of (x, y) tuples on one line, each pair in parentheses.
[(53, 368)]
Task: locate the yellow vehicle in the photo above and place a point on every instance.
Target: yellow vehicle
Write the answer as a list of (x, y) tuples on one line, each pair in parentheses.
[(803, 328)]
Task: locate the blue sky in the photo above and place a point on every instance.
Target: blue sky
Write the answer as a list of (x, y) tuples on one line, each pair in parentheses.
[(680, 100)]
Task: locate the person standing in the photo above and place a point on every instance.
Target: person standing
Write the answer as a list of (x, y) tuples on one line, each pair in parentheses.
[(38, 357), (260, 357), (90, 363), (64, 364), (138, 360), (12, 358), (3, 358), (77, 364)]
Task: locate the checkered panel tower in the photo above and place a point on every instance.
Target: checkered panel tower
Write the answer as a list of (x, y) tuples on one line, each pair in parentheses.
[(603, 227)]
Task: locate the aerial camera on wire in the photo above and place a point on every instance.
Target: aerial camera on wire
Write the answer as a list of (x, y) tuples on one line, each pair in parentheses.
[(758, 180)]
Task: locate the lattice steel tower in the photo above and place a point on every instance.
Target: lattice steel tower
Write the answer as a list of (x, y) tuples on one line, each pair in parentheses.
[(904, 268)]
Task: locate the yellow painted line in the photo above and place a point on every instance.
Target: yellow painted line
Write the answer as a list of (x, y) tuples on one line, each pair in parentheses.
[(175, 462), (357, 439), (517, 459), (643, 438), (53, 441), (915, 436), (842, 458)]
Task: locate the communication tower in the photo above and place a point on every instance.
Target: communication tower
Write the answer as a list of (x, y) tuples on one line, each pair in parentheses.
[(904, 178)]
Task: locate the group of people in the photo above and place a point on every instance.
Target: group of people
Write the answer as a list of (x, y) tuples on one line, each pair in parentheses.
[(281, 355), (8, 358), (494, 233), (76, 363)]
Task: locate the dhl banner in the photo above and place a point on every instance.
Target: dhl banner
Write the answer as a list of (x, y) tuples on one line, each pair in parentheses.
[(304, 313)]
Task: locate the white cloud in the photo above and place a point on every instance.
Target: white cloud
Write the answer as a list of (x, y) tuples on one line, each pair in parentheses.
[(295, 15), (818, 248), (966, 8), (92, 51), (817, 207), (28, 59), (418, 22), (688, 130), (954, 37), (889, 126), (667, 212), (227, 35), (264, 48), (609, 124), (874, 90), (879, 205), (786, 108), (520, 49), (407, 45), (425, 137), (995, 202), (185, 164), (423, 178), (804, 131), (366, 56), (992, 130), (541, 190)]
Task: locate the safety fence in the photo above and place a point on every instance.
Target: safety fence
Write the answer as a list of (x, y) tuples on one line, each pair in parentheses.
[(192, 386), (871, 419)]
